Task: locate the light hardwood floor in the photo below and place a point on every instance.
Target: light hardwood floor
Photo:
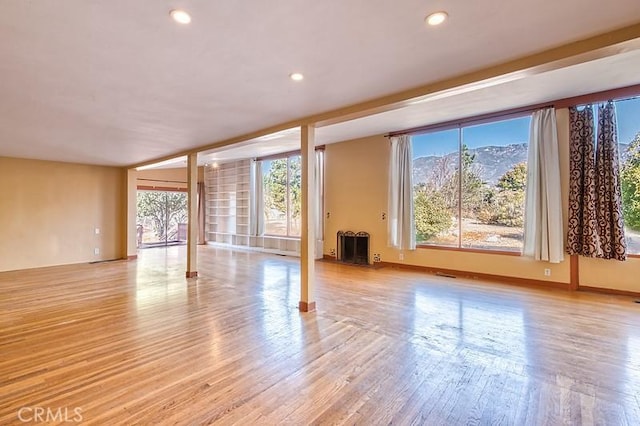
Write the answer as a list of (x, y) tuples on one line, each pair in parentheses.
[(137, 343)]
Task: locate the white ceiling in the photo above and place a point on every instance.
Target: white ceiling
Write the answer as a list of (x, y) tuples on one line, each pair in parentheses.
[(594, 76), (117, 82)]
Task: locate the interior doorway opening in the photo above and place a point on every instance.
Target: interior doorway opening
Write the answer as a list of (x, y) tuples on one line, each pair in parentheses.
[(162, 218)]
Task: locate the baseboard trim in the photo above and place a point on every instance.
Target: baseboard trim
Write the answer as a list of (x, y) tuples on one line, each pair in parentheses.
[(332, 259), (477, 275), (611, 291), (132, 257), (192, 274), (254, 249), (307, 306)]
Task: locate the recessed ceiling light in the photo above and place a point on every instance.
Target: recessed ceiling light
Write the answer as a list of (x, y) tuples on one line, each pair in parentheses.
[(180, 16), (436, 18), (296, 76)]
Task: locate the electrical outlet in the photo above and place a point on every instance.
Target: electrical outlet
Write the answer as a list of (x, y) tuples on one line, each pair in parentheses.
[(328, 215), (384, 216), (401, 256), (332, 252), (547, 272), (96, 251), (376, 257)]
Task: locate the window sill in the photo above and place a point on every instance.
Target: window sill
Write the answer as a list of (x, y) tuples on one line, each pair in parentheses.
[(470, 250), (283, 237), (485, 251)]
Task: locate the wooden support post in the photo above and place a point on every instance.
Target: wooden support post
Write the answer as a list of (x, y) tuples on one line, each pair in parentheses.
[(192, 227), (307, 238), (130, 237), (574, 267)]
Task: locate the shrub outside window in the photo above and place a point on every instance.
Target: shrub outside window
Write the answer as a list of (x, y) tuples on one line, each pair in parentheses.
[(282, 191), (469, 185)]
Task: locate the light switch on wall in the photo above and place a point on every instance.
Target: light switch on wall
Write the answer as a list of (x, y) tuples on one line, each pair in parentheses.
[(97, 231)]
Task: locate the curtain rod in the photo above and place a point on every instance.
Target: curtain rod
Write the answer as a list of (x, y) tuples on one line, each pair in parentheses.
[(629, 98), (161, 188), (472, 120), (619, 94), (286, 154), (160, 180)]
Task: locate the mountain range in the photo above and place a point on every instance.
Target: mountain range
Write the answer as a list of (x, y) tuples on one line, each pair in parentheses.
[(490, 162)]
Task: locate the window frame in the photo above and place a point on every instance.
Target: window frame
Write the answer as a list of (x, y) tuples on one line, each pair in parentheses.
[(635, 96), (563, 103), (288, 156), (460, 125)]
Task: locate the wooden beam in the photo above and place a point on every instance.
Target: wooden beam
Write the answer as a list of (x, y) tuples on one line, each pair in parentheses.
[(592, 48)]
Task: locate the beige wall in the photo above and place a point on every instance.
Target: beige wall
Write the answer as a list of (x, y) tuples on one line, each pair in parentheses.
[(611, 274), (356, 197), (356, 191), (49, 211)]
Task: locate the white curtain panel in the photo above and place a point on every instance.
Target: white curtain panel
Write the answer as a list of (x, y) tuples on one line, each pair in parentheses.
[(543, 234), (400, 224), (256, 200), (319, 193)]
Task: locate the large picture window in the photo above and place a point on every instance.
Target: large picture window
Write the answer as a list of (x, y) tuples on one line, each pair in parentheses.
[(469, 185), (282, 190), (628, 118)]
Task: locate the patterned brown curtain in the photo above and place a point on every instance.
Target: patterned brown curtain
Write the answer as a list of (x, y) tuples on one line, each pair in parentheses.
[(595, 212), (609, 197), (582, 237)]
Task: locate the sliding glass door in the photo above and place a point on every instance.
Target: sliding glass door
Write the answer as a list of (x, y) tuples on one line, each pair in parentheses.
[(162, 218)]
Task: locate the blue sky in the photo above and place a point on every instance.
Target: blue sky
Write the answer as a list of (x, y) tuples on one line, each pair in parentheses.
[(628, 113), (513, 131)]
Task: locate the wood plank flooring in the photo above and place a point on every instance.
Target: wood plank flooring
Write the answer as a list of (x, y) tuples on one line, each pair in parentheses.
[(136, 343)]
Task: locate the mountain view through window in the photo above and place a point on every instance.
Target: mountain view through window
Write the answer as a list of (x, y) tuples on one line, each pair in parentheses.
[(469, 185)]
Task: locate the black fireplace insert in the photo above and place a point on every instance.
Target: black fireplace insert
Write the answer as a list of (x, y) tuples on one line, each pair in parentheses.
[(353, 247)]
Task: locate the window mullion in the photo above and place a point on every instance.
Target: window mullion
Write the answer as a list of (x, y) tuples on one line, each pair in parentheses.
[(288, 190), (460, 177)]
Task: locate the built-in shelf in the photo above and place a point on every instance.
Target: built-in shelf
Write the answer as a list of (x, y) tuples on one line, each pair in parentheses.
[(227, 213)]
